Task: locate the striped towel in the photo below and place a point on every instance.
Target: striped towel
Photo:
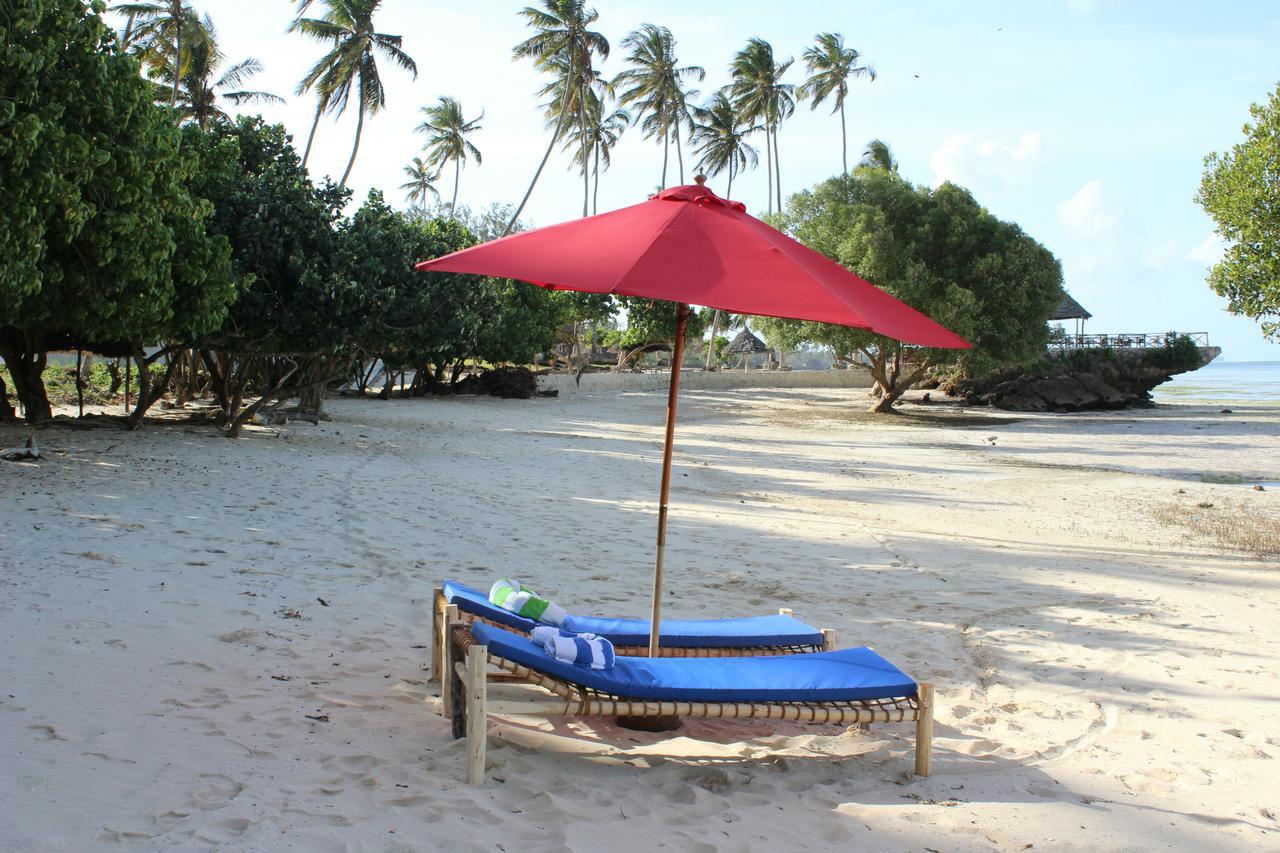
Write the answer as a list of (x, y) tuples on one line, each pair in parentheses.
[(578, 649), (510, 595)]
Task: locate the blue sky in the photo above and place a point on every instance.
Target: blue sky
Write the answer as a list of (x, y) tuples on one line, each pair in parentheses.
[(1085, 121)]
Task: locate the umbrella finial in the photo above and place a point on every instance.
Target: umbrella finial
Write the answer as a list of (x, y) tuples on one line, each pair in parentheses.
[(700, 180)]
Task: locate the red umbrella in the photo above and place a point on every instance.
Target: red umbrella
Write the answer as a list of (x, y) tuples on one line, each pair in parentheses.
[(689, 246)]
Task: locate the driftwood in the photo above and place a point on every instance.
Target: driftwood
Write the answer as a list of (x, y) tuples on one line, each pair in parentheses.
[(19, 454)]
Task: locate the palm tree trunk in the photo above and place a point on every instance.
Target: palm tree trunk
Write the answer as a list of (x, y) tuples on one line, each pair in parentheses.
[(665, 151), (844, 143), (312, 135), (728, 191), (768, 167), (777, 166), (586, 148), (175, 10), (564, 109), (679, 156), (457, 176), (595, 188), (354, 148), (715, 322)]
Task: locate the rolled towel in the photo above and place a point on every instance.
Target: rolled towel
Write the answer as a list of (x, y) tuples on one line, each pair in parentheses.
[(511, 596), (586, 650)]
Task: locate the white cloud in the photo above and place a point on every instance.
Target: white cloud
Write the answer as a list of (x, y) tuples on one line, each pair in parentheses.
[(964, 160), (1087, 211), (1158, 255), (1209, 252)]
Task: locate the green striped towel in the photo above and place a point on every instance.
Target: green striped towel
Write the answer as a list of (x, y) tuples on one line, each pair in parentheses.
[(522, 601)]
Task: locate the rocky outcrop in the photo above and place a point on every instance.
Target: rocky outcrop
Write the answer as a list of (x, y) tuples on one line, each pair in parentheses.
[(1074, 382)]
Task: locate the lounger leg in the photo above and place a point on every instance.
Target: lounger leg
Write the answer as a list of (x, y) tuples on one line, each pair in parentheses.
[(477, 718), (446, 659), (924, 731), (437, 614), (828, 639)]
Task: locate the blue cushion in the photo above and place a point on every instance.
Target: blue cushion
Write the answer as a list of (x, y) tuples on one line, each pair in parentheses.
[(775, 630), (844, 675)]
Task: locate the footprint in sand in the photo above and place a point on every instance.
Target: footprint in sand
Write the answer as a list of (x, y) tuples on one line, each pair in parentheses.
[(217, 792)]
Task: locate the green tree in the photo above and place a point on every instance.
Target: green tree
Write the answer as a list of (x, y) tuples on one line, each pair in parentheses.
[(721, 137), (603, 134), (940, 252), (351, 63), (878, 155), (565, 46), (759, 95), (1240, 190), (102, 239), (651, 324), (421, 183), (831, 65), (297, 325), (655, 85), (447, 130)]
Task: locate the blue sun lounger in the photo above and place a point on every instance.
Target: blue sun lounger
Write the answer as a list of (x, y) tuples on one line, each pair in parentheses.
[(846, 687), (753, 635)]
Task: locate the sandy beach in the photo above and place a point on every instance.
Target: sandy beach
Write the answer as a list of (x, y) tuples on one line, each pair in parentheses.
[(224, 644)]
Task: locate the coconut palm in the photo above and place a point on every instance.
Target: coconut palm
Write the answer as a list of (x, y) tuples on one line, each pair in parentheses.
[(351, 62), (831, 65), (198, 91), (878, 156), (447, 130), (721, 137), (563, 45), (655, 84), (421, 183), (604, 132), (759, 95), (160, 33)]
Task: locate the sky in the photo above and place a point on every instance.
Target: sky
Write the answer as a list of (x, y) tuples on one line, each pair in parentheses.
[(1084, 121)]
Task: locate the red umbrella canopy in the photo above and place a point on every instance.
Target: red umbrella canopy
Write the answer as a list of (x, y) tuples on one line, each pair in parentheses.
[(686, 244)]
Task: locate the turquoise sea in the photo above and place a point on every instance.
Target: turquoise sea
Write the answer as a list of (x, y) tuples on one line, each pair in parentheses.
[(1241, 381)]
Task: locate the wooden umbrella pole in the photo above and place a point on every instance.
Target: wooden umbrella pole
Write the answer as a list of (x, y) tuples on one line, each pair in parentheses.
[(677, 354)]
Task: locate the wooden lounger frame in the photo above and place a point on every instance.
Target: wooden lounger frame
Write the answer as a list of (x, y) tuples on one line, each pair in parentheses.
[(443, 614), (468, 661)]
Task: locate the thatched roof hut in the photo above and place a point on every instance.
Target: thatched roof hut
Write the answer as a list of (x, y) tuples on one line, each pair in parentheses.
[(1069, 309), (746, 342)]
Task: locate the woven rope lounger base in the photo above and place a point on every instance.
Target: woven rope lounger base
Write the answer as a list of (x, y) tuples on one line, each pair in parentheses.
[(470, 660)]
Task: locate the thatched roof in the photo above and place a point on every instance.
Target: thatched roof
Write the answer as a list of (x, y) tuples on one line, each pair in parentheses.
[(1069, 309), (746, 342)]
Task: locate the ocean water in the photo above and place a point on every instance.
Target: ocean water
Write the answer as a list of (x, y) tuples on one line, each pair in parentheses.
[(1241, 381)]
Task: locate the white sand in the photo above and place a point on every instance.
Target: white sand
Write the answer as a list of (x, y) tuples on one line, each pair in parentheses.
[(1103, 683)]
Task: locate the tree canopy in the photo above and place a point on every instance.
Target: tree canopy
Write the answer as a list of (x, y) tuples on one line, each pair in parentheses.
[(101, 237), (1241, 191), (943, 254)]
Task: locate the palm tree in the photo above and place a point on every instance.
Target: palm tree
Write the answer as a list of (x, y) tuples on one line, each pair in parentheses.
[(878, 156), (831, 64), (351, 62), (198, 91), (721, 136), (447, 131), (421, 183), (564, 46), (160, 33), (655, 84), (603, 134), (759, 95)]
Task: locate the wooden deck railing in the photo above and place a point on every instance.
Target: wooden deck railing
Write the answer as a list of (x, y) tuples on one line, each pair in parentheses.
[(1126, 340)]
